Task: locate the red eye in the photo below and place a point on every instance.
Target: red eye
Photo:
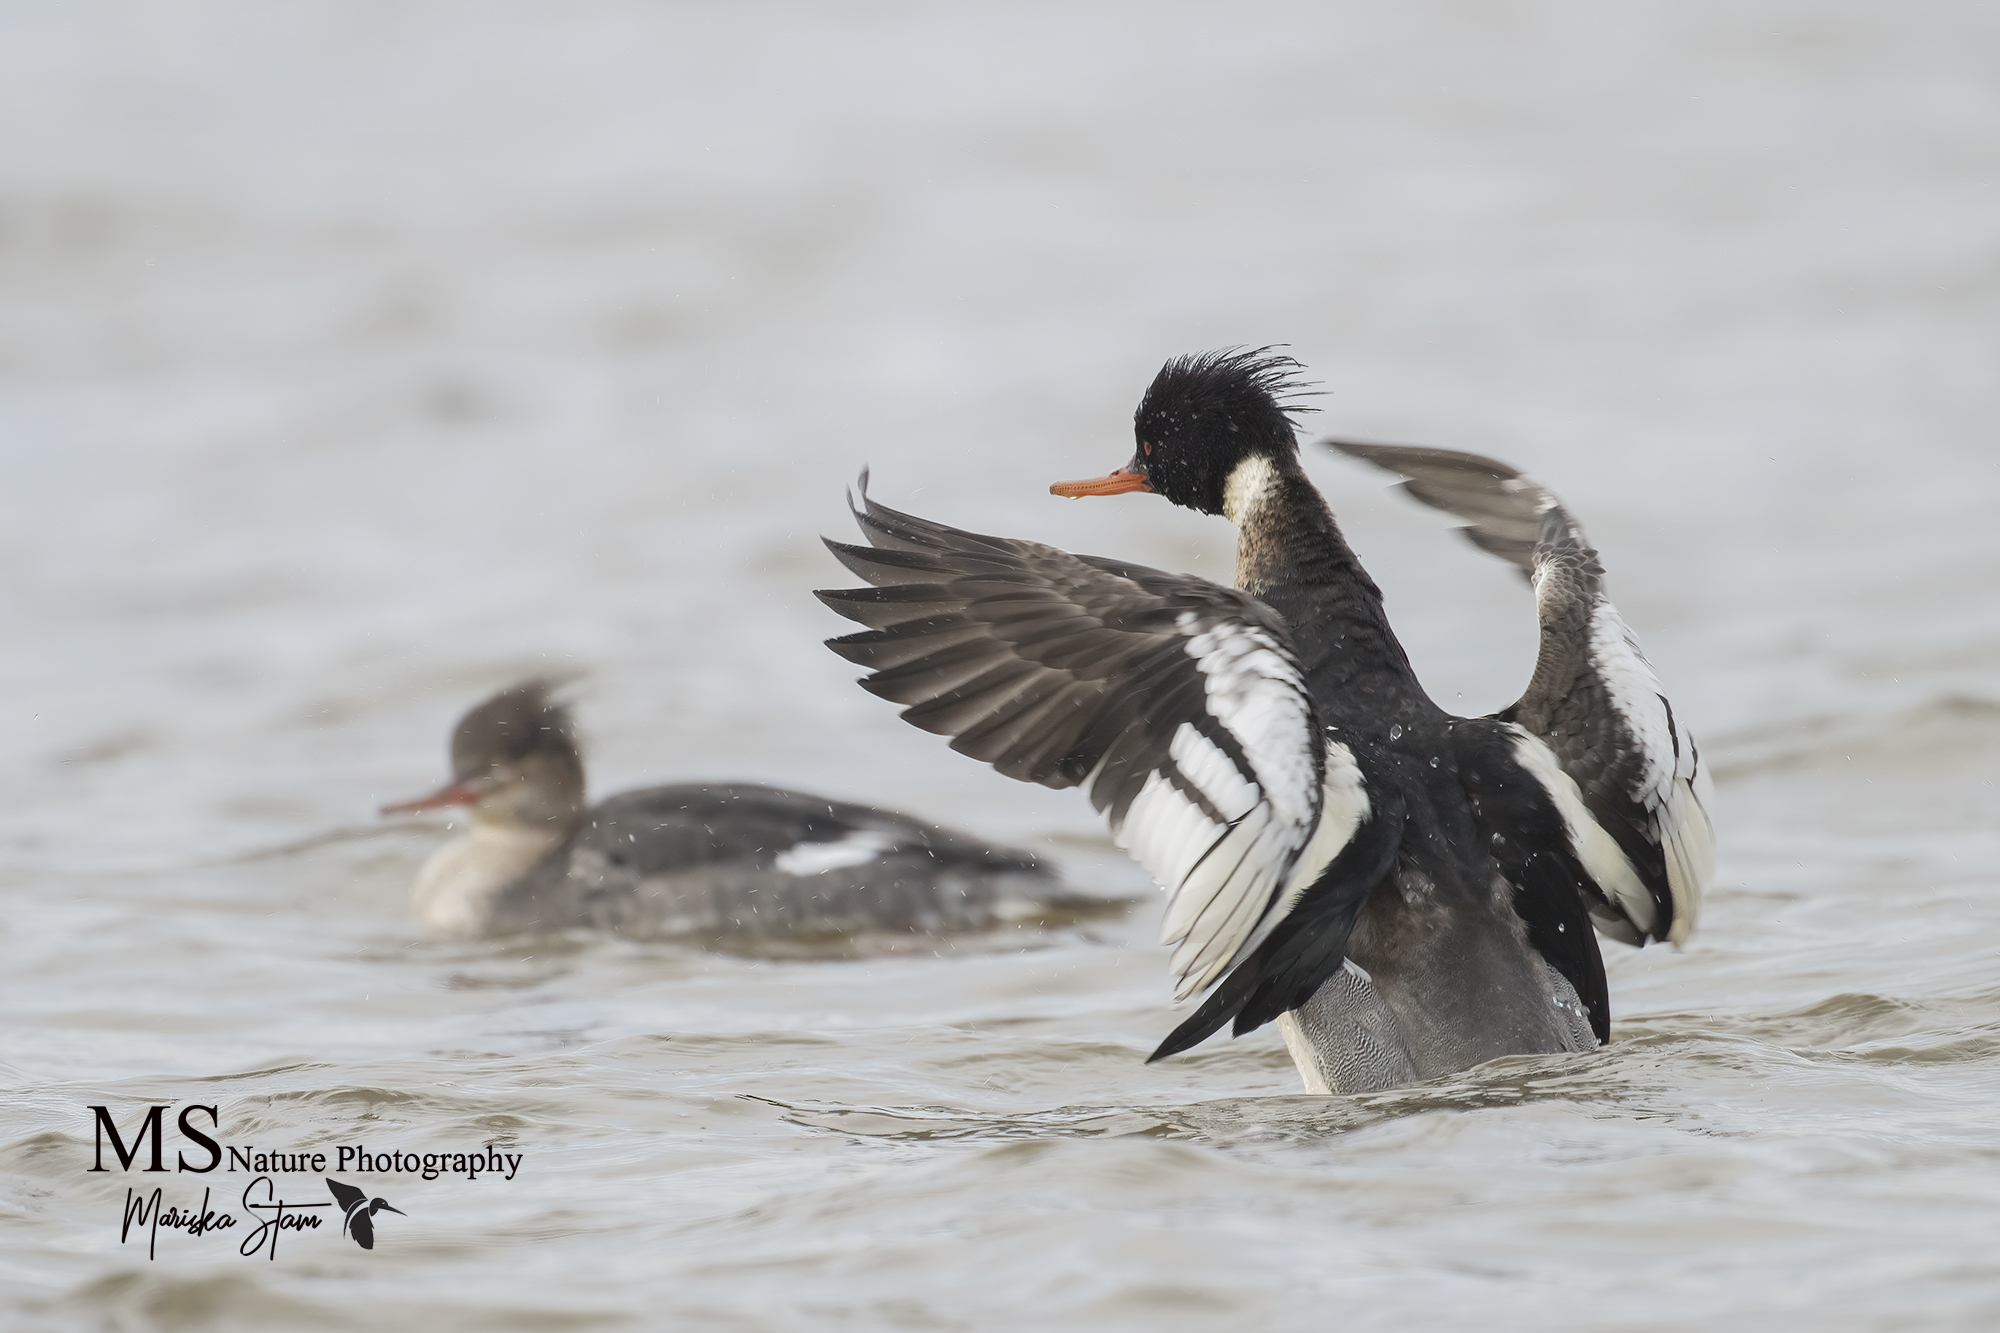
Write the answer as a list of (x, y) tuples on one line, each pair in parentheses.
[(1148, 447)]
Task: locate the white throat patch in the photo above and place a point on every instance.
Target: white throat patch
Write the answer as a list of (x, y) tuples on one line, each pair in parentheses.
[(1250, 484)]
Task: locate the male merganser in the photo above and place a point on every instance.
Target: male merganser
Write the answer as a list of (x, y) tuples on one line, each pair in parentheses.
[(731, 864), (1407, 892)]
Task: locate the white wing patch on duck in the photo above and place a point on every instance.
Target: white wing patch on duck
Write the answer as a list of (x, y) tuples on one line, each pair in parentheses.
[(1231, 882), (1221, 833), (1603, 859), (1212, 773), (1672, 787), (1688, 837), (1257, 693), (1343, 808), (1636, 695), (816, 858)]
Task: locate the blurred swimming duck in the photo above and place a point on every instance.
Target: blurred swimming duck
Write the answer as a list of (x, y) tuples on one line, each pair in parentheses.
[(1407, 893), (735, 864)]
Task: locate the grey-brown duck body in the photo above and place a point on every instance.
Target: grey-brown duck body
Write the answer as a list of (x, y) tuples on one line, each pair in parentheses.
[(737, 865)]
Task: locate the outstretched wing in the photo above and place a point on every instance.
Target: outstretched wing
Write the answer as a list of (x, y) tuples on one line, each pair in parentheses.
[(344, 1195), (1636, 793), (1179, 705)]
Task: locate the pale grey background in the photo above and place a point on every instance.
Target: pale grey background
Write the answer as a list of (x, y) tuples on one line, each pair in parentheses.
[(358, 358)]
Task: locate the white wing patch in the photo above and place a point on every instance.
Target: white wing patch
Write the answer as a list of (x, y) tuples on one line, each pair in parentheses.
[(1343, 808), (1673, 788), (1636, 695), (1223, 878), (1212, 772), (816, 858), (1255, 691), (1166, 832), (1688, 838), (1603, 859)]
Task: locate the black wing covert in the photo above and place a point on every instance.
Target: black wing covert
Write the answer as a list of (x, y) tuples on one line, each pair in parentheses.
[(1594, 725), (1177, 704)]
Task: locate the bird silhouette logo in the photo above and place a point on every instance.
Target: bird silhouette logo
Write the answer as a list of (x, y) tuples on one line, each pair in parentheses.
[(360, 1210)]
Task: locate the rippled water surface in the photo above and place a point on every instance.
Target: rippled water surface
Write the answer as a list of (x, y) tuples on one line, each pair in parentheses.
[(357, 359)]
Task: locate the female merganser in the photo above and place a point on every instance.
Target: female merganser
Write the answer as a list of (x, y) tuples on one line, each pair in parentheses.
[(735, 865), (1407, 892)]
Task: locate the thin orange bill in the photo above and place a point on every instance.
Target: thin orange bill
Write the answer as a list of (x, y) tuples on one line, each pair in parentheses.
[(455, 794), (1118, 483)]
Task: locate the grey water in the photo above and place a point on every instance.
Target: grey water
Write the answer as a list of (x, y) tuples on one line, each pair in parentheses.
[(359, 358)]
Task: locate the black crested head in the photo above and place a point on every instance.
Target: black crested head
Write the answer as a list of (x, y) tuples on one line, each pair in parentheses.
[(1206, 412), (511, 728)]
